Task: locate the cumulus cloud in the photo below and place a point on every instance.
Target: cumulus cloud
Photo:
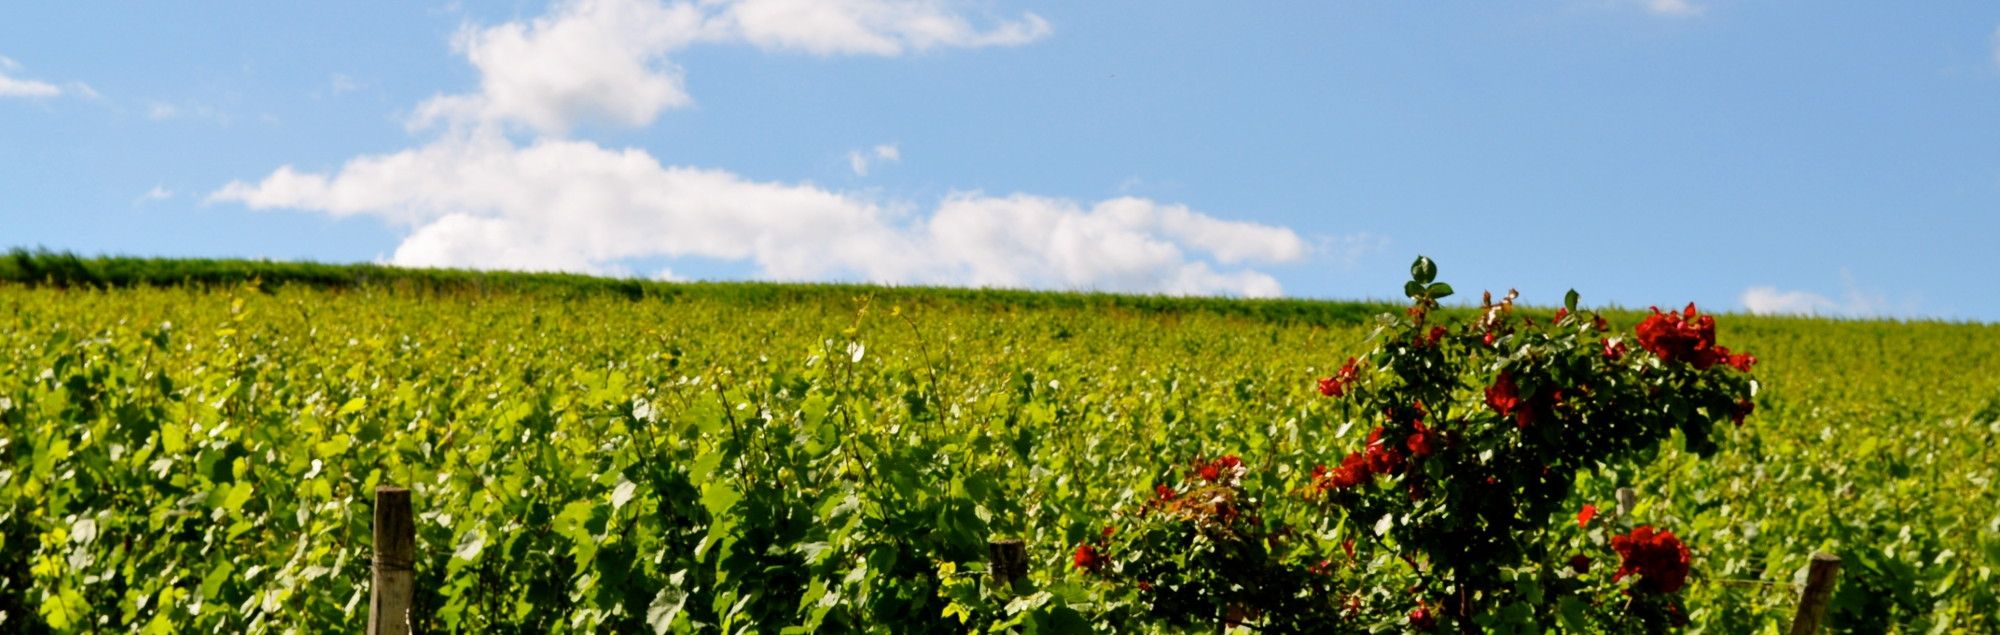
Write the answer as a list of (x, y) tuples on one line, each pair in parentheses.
[(872, 27), (605, 61), (1677, 8), (860, 161), (164, 111), (158, 193), (1854, 301), (1772, 301), (478, 196), (341, 83), (11, 86), (566, 205), (1996, 46)]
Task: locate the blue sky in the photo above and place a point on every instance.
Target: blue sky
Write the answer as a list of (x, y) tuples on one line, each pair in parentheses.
[(1832, 158)]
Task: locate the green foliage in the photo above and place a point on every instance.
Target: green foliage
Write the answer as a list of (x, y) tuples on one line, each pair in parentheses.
[(742, 458), (1479, 431)]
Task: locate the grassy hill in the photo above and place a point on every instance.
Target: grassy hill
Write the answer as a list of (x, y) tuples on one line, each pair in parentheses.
[(192, 444)]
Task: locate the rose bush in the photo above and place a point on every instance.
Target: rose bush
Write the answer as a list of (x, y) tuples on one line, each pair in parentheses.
[(1450, 515)]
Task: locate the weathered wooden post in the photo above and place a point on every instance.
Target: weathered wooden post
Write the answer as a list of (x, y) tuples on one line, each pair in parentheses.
[(395, 551), (1818, 593), (1007, 559)]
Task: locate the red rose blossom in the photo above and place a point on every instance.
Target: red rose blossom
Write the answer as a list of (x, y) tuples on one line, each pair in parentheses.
[(1503, 396), (1421, 618), (1419, 442), (1685, 337), (1087, 558), (1383, 457), (1583, 517), (1741, 361), (1613, 349), (1338, 384), (1657, 556)]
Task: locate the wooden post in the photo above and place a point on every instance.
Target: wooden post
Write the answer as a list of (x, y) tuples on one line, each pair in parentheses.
[(1818, 593), (1007, 559), (1627, 499), (395, 551)]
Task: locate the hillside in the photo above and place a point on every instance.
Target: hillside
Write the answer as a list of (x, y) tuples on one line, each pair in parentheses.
[(185, 448)]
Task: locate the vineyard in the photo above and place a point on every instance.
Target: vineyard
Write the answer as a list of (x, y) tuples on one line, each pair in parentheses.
[(201, 456)]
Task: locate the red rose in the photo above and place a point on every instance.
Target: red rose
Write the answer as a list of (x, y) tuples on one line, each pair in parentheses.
[(1419, 442), (1583, 517), (1087, 558), (1503, 396), (1579, 563), (1329, 387), (1685, 337), (1742, 409), (1421, 618), (1613, 350), (1382, 457), (1657, 556), (1353, 471), (1338, 384), (1742, 361)]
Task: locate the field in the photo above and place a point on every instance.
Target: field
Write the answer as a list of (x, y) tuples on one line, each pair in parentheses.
[(603, 456)]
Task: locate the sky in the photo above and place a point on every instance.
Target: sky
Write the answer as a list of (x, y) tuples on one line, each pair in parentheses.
[(1831, 158)]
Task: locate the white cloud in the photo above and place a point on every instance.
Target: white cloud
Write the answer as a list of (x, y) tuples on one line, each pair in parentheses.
[(1855, 301), (18, 87), (482, 201), (604, 61), (1677, 8), (1996, 46), (158, 193), (341, 83), (163, 111), (1771, 301), (477, 196), (873, 27), (860, 162)]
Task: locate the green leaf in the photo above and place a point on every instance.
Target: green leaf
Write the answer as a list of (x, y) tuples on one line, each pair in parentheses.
[(352, 406), (470, 545), (718, 497), (1413, 289), (1423, 271), (64, 610), (666, 607), (211, 584), (1438, 291), (1569, 300), (1572, 611), (237, 495), (623, 494)]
